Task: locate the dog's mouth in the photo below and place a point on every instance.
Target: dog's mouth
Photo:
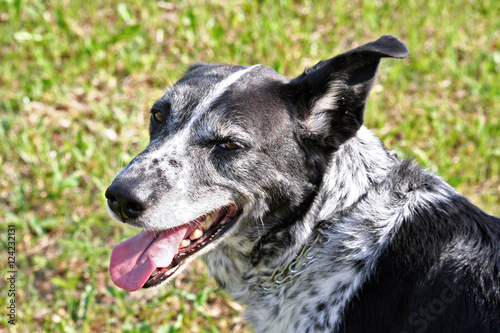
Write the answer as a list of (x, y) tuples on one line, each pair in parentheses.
[(151, 257)]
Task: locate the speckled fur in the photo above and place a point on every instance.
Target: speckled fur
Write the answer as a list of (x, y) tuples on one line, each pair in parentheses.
[(356, 235), (400, 250)]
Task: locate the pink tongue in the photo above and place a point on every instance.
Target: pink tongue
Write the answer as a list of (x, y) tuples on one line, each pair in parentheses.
[(133, 261)]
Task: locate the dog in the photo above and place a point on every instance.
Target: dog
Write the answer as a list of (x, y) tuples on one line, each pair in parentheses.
[(298, 210)]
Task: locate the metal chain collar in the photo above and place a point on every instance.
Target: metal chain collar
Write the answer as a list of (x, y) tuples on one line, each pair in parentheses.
[(285, 276)]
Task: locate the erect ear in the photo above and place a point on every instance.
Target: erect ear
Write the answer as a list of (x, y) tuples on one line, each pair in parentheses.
[(331, 96)]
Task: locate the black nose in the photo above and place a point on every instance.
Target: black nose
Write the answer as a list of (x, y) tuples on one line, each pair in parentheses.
[(123, 202)]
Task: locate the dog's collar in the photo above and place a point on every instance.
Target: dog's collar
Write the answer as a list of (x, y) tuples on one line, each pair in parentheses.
[(286, 275)]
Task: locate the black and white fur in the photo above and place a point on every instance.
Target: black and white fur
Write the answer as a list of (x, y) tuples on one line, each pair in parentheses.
[(401, 250)]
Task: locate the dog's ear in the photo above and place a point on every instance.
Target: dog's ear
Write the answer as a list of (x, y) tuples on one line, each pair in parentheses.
[(331, 96)]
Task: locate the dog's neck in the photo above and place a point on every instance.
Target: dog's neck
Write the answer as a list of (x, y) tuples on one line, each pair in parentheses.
[(362, 161)]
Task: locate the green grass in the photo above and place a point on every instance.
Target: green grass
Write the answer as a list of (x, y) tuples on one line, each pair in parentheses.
[(77, 79)]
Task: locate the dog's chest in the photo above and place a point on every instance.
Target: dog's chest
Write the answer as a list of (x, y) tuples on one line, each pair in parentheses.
[(313, 299)]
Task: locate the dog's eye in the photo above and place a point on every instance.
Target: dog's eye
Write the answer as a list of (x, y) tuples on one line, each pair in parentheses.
[(229, 145), (157, 116)]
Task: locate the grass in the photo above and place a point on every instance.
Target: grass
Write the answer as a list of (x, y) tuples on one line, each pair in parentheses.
[(77, 79)]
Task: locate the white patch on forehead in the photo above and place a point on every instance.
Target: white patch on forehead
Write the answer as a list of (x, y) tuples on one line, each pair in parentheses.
[(217, 92)]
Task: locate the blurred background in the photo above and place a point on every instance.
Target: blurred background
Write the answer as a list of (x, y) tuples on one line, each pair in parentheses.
[(78, 78)]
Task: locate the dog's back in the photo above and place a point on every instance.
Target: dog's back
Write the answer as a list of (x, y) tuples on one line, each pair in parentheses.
[(439, 271)]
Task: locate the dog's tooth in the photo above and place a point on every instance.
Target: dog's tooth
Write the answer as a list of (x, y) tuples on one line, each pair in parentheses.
[(204, 225), (153, 273), (185, 243), (197, 233), (210, 218), (207, 223)]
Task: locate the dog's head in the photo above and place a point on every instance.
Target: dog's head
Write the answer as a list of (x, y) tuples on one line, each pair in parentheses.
[(230, 145)]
